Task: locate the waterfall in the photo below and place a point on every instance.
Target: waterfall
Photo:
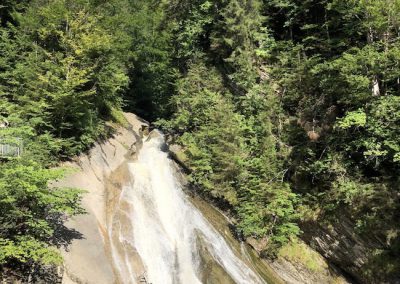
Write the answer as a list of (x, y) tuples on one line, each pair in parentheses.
[(156, 229)]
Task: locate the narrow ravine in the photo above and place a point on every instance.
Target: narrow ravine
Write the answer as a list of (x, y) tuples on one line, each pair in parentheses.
[(158, 236)]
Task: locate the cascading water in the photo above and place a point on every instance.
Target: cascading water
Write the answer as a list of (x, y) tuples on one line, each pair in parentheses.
[(157, 231)]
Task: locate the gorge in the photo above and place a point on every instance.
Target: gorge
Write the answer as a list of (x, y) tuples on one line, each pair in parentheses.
[(282, 123)]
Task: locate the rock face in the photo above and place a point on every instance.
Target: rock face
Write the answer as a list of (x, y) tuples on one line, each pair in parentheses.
[(298, 263), (341, 246), (87, 260), (297, 269)]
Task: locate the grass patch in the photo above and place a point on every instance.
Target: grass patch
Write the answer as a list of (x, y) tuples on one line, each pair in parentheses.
[(118, 116), (298, 252)]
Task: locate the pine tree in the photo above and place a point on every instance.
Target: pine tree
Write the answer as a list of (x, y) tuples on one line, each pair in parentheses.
[(235, 37)]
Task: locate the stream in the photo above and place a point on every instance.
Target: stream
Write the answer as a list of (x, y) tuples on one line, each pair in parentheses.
[(159, 236)]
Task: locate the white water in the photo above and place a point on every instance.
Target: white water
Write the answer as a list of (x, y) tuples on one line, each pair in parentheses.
[(165, 227)]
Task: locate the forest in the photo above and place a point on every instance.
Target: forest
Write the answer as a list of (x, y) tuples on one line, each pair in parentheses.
[(288, 111)]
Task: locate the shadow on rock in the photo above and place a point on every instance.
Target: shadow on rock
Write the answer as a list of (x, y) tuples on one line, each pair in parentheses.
[(63, 236)]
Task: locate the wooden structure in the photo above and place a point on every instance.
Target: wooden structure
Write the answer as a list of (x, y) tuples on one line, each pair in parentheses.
[(11, 147)]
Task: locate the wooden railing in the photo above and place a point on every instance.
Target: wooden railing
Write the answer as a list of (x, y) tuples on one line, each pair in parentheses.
[(10, 147)]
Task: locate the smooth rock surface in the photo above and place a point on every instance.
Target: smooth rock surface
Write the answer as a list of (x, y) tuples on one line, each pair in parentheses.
[(87, 260)]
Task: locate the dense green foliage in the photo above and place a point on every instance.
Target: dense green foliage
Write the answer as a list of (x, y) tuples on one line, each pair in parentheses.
[(29, 211), (288, 110), (61, 74), (63, 68), (228, 118)]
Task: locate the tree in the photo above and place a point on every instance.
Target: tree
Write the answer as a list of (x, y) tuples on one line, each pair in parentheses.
[(31, 211)]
